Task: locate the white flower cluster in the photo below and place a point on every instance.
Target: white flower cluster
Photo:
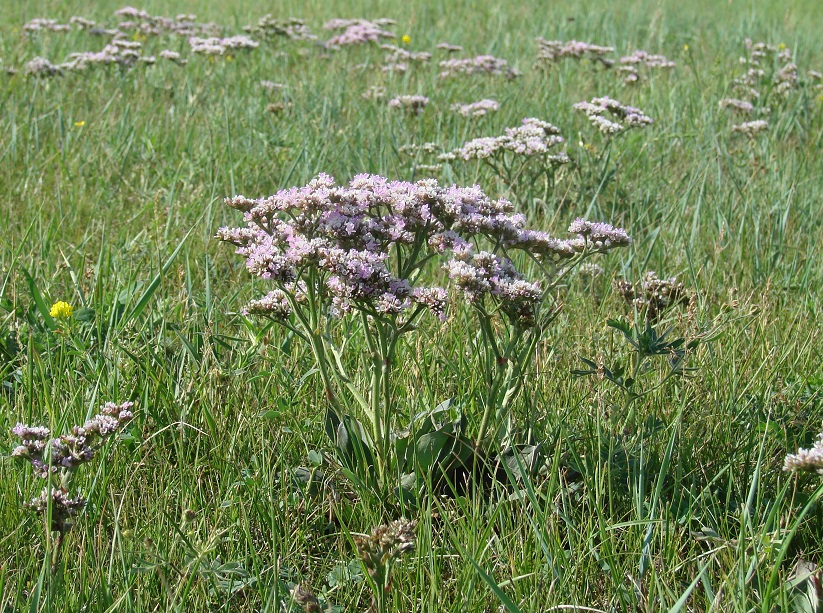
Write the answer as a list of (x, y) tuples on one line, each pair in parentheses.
[(476, 109), (533, 137), (219, 46), (630, 116), (806, 459), (751, 128), (413, 104)]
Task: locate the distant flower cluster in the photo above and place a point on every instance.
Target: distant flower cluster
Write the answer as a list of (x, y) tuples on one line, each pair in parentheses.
[(552, 51), (398, 59), (357, 32), (740, 106), (767, 66), (534, 137), (448, 48), (268, 28), (271, 86), (652, 295), (156, 25), (220, 46), (119, 52), (37, 24), (751, 128), (374, 92), (412, 104), (598, 109), (630, 65), (482, 64), (476, 109)]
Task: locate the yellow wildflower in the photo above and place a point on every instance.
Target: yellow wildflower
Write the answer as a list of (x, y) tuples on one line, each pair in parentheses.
[(61, 310), (229, 58), (405, 39), (781, 46), (685, 47), (79, 124)]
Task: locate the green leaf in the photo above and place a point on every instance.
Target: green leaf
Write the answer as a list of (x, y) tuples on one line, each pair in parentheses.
[(85, 315), (428, 448), (38, 300)]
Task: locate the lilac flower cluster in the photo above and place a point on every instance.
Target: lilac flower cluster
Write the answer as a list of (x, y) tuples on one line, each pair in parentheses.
[(41, 67), (751, 128), (268, 28), (482, 64), (63, 507), (476, 109), (552, 51), (146, 24), (374, 92), (399, 59), (810, 460), (741, 106), (533, 138), (120, 52), (448, 48), (69, 450), (652, 295), (598, 107), (357, 32), (173, 56), (271, 86), (631, 64), (220, 46), (412, 104), (759, 61), (39, 24), (341, 243), (482, 274)]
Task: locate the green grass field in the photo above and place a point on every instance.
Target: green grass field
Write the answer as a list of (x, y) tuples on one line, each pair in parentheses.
[(112, 183)]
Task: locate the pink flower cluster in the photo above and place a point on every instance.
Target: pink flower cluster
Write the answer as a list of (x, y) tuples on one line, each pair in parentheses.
[(476, 109), (482, 64), (156, 25), (357, 32), (534, 137), (597, 109), (552, 51), (361, 245), (741, 106), (399, 59), (69, 450), (751, 128), (269, 28), (220, 46), (631, 64), (759, 61), (412, 104)]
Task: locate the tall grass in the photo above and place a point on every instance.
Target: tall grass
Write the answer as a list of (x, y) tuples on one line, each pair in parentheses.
[(682, 508)]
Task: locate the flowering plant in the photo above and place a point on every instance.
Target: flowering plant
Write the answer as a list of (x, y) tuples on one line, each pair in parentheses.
[(57, 459), (361, 252)]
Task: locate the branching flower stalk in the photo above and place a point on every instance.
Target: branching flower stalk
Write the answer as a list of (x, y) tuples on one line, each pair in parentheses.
[(360, 251), (56, 460)]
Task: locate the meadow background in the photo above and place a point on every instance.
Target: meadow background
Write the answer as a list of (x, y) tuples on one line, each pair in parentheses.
[(104, 175)]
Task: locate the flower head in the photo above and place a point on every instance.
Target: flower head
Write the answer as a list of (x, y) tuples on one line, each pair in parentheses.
[(61, 310)]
